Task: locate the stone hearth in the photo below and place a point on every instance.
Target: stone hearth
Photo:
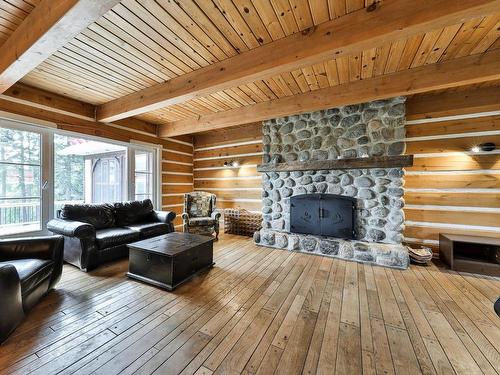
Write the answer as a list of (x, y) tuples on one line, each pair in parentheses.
[(370, 129)]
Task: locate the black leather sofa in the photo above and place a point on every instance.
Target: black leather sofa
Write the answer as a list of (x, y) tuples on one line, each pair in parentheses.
[(98, 233), (29, 268)]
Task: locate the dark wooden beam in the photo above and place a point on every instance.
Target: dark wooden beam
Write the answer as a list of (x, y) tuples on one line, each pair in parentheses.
[(399, 161)]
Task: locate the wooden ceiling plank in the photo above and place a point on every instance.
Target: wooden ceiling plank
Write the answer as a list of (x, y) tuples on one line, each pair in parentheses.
[(488, 40), (354, 67), (86, 61), (332, 73), (250, 93), (138, 51), (459, 72), (298, 75), (442, 43), (61, 86), (168, 26), (486, 24), (367, 63), (161, 34), (269, 18), (285, 16), (94, 43), (288, 78), (460, 38), (395, 55), (100, 73), (47, 28), (274, 87), (200, 18), (319, 11), (222, 24), (149, 35), (343, 69), (250, 15), (337, 8), (176, 11), (69, 72), (381, 57), (134, 37), (302, 13), (391, 21)]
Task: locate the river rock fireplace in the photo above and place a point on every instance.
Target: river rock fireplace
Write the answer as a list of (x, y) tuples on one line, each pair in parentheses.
[(313, 157)]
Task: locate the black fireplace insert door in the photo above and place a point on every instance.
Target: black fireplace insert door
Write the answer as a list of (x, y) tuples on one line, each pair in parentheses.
[(323, 214)]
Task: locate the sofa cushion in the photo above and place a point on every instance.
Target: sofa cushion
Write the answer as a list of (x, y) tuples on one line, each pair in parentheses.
[(148, 230), (110, 237), (98, 215), (198, 221), (127, 213), (32, 272)]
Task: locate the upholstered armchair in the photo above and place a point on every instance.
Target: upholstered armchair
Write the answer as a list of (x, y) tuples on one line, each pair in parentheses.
[(200, 215)]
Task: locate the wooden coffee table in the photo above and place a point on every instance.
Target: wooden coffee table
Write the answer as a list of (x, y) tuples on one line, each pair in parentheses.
[(171, 259)]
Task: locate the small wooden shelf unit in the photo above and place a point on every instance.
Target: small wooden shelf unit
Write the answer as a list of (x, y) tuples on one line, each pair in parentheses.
[(450, 246)]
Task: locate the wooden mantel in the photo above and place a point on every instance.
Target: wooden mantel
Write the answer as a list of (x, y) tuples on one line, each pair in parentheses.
[(356, 163)]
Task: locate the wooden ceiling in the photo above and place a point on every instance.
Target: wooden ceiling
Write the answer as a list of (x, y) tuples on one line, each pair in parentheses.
[(142, 43), (12, 14)]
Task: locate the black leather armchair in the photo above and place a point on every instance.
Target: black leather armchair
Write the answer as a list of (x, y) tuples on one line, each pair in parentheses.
[(98, 233), (29, 268)]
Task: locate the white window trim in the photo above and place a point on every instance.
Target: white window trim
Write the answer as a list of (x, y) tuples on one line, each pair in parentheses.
[(47, 131)]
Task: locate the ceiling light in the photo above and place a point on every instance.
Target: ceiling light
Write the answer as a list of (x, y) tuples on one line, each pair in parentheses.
[(486, 147), (231, 164)]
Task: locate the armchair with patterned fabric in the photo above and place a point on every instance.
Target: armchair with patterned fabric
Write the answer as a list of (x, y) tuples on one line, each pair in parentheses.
[(200, 215)]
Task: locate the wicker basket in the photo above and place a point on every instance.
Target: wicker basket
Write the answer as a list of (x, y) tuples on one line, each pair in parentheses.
[(241, 222)]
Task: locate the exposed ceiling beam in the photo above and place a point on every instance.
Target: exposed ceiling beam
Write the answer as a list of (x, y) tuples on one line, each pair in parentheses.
[(484, 99), (376, 25), (47, 28), (458, 72), (51, 102)]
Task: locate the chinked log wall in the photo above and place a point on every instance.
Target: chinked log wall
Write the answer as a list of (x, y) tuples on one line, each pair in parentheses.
[(448, 189), (235, 187)]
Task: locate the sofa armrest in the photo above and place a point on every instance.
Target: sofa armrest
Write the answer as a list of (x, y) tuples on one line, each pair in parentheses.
[(215, 215), (47, 247), (71, 228), (166, 217), (12, 311)]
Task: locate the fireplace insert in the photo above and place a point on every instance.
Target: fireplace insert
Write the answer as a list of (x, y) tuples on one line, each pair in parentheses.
[(323, 214)]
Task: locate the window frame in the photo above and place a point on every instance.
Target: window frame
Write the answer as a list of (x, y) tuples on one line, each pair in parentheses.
[(47, 132)]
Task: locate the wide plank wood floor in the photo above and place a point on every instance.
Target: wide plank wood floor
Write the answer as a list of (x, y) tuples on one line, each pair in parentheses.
[(263, 311)]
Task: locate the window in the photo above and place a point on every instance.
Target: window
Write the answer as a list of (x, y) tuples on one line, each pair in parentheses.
[(20, 176), (42, 169), (143, 175)]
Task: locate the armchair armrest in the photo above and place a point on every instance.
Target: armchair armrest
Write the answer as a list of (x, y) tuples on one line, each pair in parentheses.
[(48, 247), (185, 216), (71, 228), (215, 215), (165, 216), (12, 311)]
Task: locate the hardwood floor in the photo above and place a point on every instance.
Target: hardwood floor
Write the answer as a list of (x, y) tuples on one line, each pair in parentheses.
[(263, 311)]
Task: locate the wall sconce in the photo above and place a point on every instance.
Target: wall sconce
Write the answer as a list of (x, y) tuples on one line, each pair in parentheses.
[(488, 146), (231, 164)]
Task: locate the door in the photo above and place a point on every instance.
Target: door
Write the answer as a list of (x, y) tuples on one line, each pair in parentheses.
[(24, 184)]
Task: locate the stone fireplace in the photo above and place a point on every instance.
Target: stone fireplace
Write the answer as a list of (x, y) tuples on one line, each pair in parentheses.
[(374, 129)]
